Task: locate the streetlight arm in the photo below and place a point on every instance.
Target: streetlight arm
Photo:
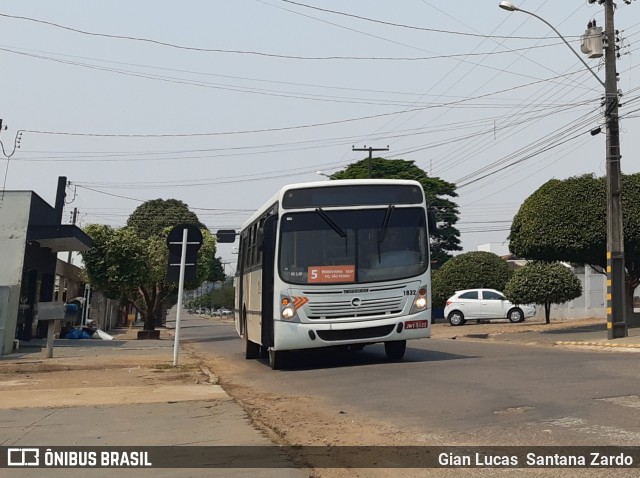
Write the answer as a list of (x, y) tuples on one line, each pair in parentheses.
[(513, 8)]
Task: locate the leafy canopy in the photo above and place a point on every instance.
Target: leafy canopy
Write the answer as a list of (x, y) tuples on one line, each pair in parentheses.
[(566, 220), (543, 283), (151, 218), (131, 262)]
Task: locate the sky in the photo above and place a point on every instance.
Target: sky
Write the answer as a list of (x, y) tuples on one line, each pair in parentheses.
[(222, 103)]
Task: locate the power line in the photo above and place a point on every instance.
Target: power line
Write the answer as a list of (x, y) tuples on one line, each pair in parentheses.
[(253, 52), (285, 128), (411, 27)]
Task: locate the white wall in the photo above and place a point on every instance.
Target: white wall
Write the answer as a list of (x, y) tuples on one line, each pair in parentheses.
[(14, 219), (591, 304), (498, 248)]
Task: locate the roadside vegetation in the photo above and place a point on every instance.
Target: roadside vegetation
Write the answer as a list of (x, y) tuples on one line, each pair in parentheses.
[(566, 221), (130, 263), (543, 283)]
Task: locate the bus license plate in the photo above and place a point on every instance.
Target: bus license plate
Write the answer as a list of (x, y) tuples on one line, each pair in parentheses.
[(416, 324)]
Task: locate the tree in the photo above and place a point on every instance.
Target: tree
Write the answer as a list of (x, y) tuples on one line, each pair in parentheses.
[(565, 220), (222, 297), (216, 271), (543, 283), (472, 270), (151, 218), (447, 237), (132, 261)]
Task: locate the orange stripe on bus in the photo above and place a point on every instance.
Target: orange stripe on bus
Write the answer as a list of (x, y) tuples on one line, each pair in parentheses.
[(299, 301)]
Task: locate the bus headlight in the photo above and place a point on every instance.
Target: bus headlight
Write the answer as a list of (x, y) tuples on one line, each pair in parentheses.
[(420, 302), (288, 313), (288, 308)]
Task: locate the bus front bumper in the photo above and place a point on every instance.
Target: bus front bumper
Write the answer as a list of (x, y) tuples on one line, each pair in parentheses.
[(296, 335)]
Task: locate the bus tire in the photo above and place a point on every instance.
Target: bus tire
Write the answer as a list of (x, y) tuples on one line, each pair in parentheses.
[(277, 359), (395, 350), (251, 349)]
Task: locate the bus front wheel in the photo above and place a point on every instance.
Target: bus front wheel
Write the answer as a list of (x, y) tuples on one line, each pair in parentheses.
[(277, 359), (395, 349)]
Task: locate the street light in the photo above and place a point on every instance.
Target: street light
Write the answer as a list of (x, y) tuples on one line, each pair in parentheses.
[(616, 304), (320, 173), (510, 7)]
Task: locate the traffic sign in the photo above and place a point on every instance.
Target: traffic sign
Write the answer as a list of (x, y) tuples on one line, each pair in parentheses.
[(175, 243)]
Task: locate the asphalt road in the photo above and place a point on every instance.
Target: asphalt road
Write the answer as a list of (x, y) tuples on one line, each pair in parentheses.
[(452, 391)]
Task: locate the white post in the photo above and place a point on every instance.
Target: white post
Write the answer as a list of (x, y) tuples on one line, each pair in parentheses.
[(85, 308), (183, 260), (50, 337), (587, 290)]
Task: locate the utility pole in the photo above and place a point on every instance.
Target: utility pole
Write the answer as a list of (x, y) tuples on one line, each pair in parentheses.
[(371, 150), (616, 287), (74, 217), (616, 303)]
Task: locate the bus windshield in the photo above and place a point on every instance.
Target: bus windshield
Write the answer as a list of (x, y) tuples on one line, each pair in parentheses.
[(353, 246)]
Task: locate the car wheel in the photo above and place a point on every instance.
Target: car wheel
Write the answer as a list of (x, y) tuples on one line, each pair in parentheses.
[(515, 315), (395, 350), (456, 318)]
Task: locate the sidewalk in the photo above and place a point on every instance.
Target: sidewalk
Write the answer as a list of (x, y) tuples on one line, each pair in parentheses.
[(123, 392), (576, 333)]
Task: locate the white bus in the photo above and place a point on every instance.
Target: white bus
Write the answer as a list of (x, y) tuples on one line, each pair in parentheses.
[(334, 263)]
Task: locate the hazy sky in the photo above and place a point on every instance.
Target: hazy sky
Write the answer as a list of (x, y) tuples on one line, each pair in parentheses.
[(224, 102)]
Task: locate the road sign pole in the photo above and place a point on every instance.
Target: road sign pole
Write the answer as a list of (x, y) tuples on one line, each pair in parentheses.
[(183, 261)]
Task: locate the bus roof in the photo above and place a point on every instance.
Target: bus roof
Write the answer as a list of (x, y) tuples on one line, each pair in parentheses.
[(277, 197)]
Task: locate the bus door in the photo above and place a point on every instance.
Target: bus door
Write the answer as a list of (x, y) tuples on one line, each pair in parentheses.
[(268, 273)]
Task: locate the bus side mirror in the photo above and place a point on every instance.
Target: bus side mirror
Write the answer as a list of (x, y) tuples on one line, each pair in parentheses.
[(431, 220), (226, 236)]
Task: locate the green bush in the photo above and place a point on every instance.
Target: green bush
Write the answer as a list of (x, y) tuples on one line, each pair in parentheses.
[(543, 283), (472, 270)]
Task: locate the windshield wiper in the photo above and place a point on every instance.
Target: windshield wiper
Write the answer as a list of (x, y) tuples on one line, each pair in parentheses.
[(330, 222), (382, 232)]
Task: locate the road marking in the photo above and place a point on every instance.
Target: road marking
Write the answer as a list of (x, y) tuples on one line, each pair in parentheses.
[(631, 401), (566, 422), (617, 435), (513, 410)]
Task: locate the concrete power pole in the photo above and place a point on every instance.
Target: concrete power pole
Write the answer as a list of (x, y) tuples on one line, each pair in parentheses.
[(616, 303), (371, 150), (74, 217)]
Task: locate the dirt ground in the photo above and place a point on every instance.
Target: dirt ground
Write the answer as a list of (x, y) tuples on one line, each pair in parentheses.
[(286, 420), (306, 421)]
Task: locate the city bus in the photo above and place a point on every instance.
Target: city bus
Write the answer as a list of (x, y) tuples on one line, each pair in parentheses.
[(334, 263)]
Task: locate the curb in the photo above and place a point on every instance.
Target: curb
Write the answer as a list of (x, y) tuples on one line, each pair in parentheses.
[(599, 344)]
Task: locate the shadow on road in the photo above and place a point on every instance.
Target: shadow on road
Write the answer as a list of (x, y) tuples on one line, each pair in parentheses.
[(372, 355), (208, 339)]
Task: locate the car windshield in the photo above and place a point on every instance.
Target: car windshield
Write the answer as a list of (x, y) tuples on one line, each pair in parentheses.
[(354, 246)]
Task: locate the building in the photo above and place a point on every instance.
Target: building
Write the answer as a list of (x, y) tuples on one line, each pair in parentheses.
[(31, 236)]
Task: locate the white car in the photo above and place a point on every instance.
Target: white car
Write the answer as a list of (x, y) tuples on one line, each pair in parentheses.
[(484, 304)]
